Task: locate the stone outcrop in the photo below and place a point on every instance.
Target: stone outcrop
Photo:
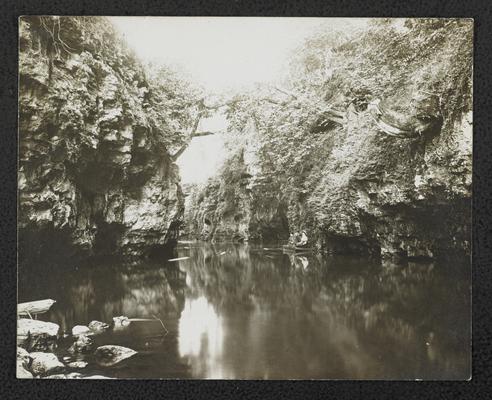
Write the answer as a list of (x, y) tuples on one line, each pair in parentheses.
[(109, 355), (34, 335), (80, 330), (83, 344), (22, 373), (240, 203), (94, 170), (363, 192), (45, 363), (23, 363), (390, 196)]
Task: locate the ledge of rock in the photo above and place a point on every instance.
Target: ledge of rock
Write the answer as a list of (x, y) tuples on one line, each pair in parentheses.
[(45, 363), (36, 335), (109, 355)]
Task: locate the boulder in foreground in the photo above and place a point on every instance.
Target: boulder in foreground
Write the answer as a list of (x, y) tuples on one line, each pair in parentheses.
[(23, 357), (98, 327), (107, 356), (83, 344), (22, 372), (45, 363), (34, 307), (34, 335)]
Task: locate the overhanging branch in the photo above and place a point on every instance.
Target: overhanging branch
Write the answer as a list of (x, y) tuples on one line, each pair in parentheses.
[(285, 91), (181, 150), (328, 114), (205, 133)]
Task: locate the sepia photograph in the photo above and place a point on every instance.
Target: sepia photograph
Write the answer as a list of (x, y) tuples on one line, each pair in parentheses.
[(251, 198)]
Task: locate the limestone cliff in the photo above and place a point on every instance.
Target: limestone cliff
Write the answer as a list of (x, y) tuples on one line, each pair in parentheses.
[(235, 206), (389, 196), (362, 191), (94, 170), (240, 203), (369, 149)]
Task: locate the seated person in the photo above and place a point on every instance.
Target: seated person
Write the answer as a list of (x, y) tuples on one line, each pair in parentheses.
[(293, 238), (303, 241)]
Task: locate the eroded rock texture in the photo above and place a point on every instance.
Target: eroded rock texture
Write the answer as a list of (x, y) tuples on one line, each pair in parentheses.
[(240, 203), (368, 145), (94, 171), (390, 196), (362, 191)]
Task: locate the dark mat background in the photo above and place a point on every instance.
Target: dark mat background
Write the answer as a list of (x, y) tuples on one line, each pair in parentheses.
[(478, 387)]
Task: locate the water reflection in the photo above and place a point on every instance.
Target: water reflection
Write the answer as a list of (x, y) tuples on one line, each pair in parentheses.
[(291, 316), (201, 338), (240, 311), (102, 290)]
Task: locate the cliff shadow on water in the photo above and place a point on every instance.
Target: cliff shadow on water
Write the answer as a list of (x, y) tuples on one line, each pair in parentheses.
[(241, 311)]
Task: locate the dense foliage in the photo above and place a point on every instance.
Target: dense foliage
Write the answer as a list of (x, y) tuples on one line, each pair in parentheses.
[(322, 160), (393, 60), (169, 101), (98, 131)]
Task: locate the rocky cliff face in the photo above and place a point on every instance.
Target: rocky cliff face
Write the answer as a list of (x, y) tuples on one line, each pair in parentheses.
[(369, 149), (94, 174), (235, 206), (363, 192), (240, 203), (392, 196)]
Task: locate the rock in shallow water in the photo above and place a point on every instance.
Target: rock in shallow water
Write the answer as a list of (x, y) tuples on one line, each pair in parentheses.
[(36, 335), (77, 364), (83, 344), (22, 372), (45, 363), (78, 330), (109, 355), (120, 322), (97, 327), (23, 357)]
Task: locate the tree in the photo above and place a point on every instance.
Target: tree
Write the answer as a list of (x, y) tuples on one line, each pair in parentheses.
[(336, 71)]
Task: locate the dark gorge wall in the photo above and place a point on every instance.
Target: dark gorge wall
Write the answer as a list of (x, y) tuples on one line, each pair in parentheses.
[(362, 191), (240, 202), (392, 196), (94, 170), (368, 147), (236, 205)]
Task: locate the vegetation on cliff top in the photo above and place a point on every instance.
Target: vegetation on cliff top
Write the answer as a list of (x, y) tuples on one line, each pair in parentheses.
[(168, 101), (393, 60), (319, 143), (97, 130)]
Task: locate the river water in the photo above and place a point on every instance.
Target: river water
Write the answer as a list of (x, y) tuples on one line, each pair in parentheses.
[(241, 311)]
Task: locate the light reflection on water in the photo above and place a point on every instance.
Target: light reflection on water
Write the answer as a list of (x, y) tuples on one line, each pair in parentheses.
[(200, 338), (243, 312)]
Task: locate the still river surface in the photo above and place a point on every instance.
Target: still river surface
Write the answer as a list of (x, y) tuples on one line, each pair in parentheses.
[(245, 312)]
